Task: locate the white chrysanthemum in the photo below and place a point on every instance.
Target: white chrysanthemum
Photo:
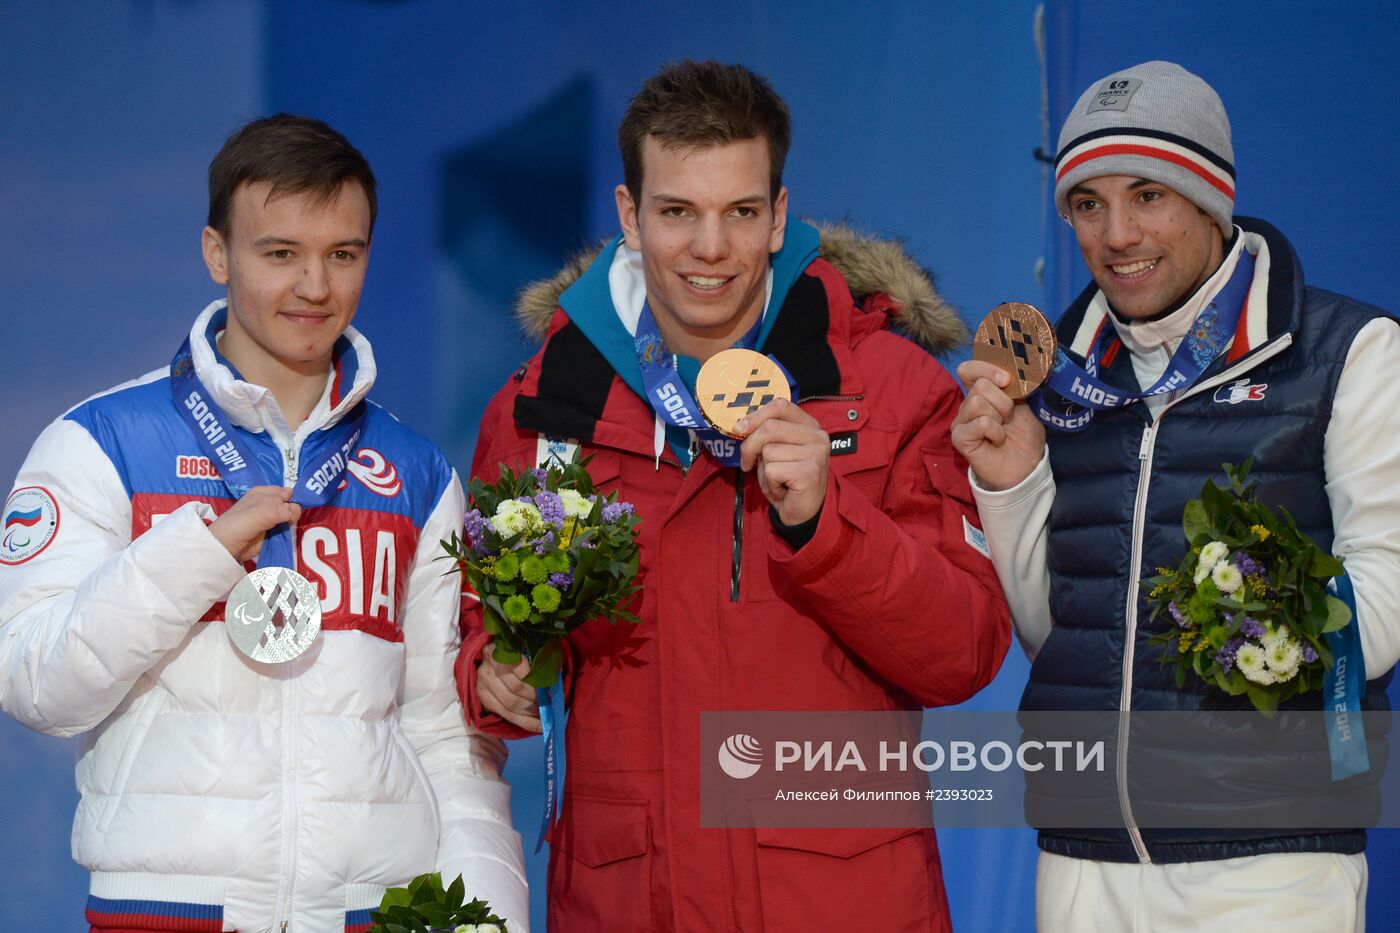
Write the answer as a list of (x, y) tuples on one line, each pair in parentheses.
[(1213, 554), (1284, 657), (1250, 660), (1276, 636), (576, 505), (1227, 577), (513, 517)]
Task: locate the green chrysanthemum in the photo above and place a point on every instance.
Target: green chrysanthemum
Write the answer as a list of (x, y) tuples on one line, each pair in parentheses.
[(556, 562), (517, 608), (507, 567), (1200, 608), (545, 597), (533, 570)]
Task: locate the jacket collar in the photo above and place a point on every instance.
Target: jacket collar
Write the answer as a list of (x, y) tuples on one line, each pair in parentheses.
[(569, 384), (252, 407)]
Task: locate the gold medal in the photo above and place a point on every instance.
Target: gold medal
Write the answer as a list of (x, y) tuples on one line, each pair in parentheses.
[(734, 384), (1017, 338)]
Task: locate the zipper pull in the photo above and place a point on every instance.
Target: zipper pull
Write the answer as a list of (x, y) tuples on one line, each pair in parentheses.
[(1146, 442)]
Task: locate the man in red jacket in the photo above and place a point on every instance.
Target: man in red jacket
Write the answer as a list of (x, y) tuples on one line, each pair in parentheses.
[(834, 566)]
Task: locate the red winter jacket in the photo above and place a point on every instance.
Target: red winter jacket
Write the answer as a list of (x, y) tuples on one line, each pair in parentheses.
[(887, 607)]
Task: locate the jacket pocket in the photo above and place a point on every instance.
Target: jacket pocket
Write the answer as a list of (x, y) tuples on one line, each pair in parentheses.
[(892, 873), (605, 878), (421, 773), (144, 715)]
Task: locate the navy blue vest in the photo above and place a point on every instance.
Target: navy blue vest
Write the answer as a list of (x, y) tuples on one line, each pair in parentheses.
[(1100, 506)]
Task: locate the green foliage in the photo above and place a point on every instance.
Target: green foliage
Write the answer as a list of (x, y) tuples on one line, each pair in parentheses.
[(1284, 589), (511, 570), (425, 906)]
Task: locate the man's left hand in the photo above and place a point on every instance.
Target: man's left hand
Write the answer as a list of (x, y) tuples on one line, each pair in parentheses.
[(791, 452)]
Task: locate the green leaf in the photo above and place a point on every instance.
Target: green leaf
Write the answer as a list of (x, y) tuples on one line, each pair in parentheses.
[(544, 666), (1194, 521), (1325, 565), (1264, 700), (1338, 615), (504, 655)]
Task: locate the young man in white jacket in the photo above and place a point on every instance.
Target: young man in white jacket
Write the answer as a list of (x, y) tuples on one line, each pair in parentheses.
[(1303, 383), (264, 754)]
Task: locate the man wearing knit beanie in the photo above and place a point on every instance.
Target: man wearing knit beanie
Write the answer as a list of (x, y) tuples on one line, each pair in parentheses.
[(1197, 344)]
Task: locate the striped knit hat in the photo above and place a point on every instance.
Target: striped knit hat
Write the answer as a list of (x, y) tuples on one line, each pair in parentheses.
[(1157, 121)]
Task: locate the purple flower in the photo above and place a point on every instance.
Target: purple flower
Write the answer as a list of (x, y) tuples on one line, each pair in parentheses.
[(561, 581), (1181, 621), (539, 473), (615, 510), (551, 508), (1225, 657), (475, 527), (1309, 653), (542, 545), (1252, 628), (1248, 565)]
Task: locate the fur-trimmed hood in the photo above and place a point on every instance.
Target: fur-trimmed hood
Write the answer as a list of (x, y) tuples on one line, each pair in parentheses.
[(870, 265)]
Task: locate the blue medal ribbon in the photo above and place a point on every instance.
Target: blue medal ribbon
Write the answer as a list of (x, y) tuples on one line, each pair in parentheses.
[(239, 468), (1210, 334), (672, 401), (1341, 693), (551, 703)]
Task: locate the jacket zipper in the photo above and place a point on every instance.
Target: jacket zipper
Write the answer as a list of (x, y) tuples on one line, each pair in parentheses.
[(1145, 450), (738, 536), (289, 812), (830, 398)]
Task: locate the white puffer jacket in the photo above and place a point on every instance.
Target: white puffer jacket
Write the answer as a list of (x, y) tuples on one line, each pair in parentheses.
[(219, 793)]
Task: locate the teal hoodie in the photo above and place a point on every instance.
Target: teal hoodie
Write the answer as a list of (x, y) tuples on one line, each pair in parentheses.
[(588, 303)]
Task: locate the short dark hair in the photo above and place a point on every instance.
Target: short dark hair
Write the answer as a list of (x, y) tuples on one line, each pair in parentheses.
[(296, 154), (702, 104)]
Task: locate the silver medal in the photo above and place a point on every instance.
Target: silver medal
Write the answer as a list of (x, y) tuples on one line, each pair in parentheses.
[(273, 615)]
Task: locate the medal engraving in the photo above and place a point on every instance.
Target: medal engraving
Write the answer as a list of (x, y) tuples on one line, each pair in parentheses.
[(273, 615), (1017, 338), (734, 384)]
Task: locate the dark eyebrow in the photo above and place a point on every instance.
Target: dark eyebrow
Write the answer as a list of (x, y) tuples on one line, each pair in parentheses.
[(1083, 187), (663, 198), (267, 241)]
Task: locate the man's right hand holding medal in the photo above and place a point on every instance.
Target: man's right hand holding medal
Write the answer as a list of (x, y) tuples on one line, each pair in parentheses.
[(242, 528), (1001, 438)]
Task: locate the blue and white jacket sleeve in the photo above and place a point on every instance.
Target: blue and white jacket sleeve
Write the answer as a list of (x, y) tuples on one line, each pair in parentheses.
[(83, 617)]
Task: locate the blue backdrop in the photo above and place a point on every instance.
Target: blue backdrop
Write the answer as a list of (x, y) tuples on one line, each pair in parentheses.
[(491, 129)]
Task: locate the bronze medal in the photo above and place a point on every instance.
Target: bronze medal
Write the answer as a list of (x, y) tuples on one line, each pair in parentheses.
[(734, 384), (1016, 337)]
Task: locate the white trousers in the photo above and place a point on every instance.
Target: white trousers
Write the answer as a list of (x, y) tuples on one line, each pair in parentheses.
[(1300, 893)]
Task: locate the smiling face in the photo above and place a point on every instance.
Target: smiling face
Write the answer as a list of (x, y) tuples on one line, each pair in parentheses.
[(1147, 247), (295, 267), (705, 227)]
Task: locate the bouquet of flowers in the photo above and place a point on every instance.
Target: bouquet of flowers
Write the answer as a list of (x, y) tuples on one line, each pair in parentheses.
[(546, 553), (1248, 608), (426, 907)]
